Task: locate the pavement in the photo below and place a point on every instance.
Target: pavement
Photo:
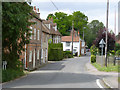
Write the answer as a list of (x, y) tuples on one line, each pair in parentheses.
[(111, 79)]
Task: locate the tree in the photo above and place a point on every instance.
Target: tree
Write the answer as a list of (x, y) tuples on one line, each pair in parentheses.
[(92, 30), (15, 23), (102, 35), (80, 21), (64, 22)]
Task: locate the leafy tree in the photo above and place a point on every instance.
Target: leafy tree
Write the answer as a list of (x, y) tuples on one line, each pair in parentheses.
[(80, 21), (64, 22), (92, 30), (102, 35), (15, 22)]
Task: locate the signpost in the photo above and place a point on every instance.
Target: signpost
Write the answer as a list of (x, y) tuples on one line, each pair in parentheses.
[(4, 65), (102, 42)]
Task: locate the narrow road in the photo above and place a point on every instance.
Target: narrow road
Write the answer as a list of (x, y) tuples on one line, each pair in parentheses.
[(69, 73)]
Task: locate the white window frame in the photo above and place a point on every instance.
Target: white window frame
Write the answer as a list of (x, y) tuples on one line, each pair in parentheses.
[(42, 54), (31, 32), (38, 37), (46, 53), (67, 45), (38, 53), (34, 33), (30, 56)]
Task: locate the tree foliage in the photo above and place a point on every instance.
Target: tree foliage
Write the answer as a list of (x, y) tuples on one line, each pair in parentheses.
[(92, 30), (102, 35), (64, 21), (15, 23)]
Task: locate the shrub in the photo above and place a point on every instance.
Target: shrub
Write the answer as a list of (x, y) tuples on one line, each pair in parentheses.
[(67, 54), (118, 53), (94, 50), (93, 58), (55, 52)]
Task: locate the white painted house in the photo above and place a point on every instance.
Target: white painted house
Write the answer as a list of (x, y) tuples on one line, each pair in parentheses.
[(78, 44)]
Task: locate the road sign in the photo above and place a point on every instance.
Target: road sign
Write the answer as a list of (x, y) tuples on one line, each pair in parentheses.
[(102, 42)]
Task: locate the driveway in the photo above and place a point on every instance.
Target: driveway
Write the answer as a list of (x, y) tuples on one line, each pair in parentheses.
[(69, 73)]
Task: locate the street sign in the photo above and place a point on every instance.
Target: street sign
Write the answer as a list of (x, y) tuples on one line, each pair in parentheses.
[(102, 42), (102, 46)]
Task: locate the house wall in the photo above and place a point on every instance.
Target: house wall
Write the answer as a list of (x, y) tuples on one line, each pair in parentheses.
[(76, 45), (33, 49), (44, 48)]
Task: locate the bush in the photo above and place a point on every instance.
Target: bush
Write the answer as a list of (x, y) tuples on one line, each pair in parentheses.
[(93, 58), (94, 50), (118, 53), (67, 54), (55, 52), (11, 74)]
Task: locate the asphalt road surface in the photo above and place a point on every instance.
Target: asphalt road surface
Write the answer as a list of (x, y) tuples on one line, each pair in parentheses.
[(69, 73)]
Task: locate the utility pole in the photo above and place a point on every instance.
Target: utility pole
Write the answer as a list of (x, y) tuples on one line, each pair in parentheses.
[(106, 33), (115, 36), (72, 35)]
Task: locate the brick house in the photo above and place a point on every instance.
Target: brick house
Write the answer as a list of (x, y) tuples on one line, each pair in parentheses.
[(36, 52), (55, 35), (78, 43), (44, 44)]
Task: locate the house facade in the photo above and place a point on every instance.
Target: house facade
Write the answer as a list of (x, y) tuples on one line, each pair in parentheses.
[(36, 52), (44, 44), (78, 44), (55, 35)]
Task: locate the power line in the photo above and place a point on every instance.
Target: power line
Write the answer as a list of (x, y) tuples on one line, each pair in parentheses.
[(55, 5)]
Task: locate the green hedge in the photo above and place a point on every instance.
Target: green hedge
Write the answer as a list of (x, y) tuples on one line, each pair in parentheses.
[(55, 52), (67, 54), (93, 58)]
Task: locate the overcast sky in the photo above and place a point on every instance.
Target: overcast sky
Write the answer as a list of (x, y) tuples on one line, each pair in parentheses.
[(94, 9)]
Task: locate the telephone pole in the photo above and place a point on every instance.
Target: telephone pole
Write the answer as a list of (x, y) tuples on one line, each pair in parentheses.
[(106, 33), (72, 35)]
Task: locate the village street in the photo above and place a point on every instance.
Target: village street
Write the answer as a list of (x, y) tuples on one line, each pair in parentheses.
[(69, 73)]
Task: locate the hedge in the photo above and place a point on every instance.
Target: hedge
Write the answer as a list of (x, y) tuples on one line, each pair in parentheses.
[(55, 52)]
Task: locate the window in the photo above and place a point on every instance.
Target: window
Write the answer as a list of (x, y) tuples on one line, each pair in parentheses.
[(67, 44), (67, 49), (38, 35), (34, 34), (46, 52), (38, 54), (42, 53), (31, 33), (30, 56)]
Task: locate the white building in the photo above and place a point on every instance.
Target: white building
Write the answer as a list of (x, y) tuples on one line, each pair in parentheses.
[(78, 44)]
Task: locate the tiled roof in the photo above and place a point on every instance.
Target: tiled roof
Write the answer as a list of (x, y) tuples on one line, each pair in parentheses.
[(69, 39)]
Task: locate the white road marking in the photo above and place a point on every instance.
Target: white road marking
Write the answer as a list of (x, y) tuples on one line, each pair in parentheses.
[(98, 83)]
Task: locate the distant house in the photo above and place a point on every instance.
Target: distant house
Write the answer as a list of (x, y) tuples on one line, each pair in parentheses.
[(78, 44), (55, 35)]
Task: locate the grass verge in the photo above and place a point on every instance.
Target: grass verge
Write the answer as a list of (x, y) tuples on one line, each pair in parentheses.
[(10, 74), (119, 79), (110, 68)]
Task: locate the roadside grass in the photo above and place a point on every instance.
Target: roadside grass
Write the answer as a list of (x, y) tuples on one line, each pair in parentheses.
[(10, 74), (110, 68)]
